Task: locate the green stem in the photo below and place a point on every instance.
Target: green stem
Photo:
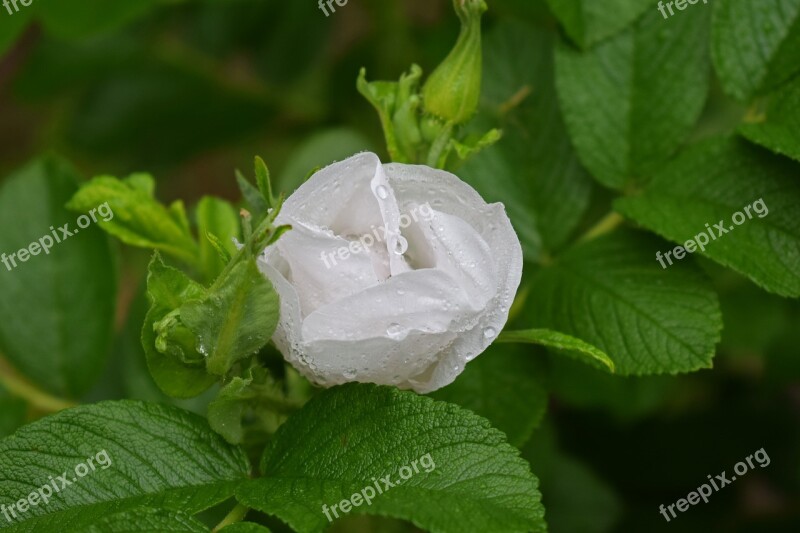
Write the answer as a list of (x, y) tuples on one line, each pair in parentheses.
[(605, 225), (18, 386), (236, 515), (439, 145)]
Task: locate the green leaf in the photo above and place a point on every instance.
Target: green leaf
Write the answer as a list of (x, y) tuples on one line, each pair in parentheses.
[(236, 318), (754, 44), (178, 368), (83, 18), (708, 185), (561, 342), (588, 21), (57, 308), (144, 455), (611, 293), (257, 399), (252, 196), (779, 128), (519, 409), (220, 219), (138, 219), (397, 104), (147, 520), (349, 437), (537, 176), (264, 182), (225, 412), (628, 124)]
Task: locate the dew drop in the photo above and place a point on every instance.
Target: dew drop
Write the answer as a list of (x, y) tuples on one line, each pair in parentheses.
[(399, 244), (396, 331), (490, 332), (350, 373), (381, 192)]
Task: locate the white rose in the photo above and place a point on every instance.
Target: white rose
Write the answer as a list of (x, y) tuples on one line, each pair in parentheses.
[(392, 274)]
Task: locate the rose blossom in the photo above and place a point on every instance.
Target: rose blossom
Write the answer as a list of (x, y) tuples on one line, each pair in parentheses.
[(411, 308)]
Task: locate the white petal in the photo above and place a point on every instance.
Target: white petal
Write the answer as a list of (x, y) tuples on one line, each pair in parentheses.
[(317, 268), (338, 197), (423, 300)]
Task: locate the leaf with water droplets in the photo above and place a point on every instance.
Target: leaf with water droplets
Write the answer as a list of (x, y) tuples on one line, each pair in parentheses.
[(171, 351), (236, 319)]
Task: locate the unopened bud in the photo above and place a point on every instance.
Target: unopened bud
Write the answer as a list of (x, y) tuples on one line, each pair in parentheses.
[(453, 89)]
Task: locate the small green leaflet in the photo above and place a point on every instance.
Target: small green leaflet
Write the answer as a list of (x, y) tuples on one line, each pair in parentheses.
[(559, 341)]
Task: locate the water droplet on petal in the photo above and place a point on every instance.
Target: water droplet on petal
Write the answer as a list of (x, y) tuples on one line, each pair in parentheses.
[(396, 331), (399, 244), (490, 332), (350, 373), (381, 192)]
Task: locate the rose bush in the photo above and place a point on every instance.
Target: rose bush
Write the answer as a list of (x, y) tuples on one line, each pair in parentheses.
[(409, 308)]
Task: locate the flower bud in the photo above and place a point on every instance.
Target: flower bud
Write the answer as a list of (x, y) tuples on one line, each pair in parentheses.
[(453, 89), (174, 339)]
